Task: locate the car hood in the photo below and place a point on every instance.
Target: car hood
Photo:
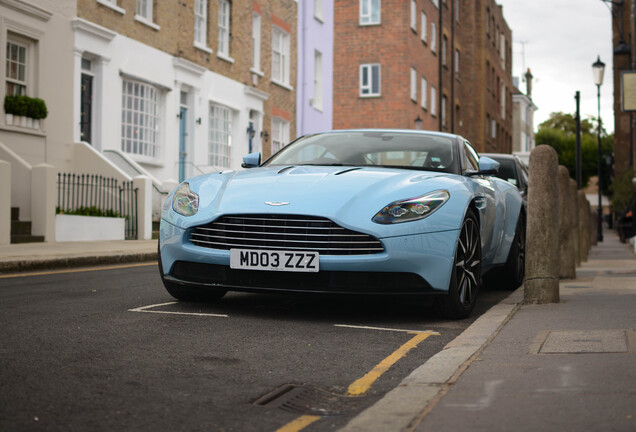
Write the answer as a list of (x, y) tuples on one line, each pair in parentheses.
[(348, 195)]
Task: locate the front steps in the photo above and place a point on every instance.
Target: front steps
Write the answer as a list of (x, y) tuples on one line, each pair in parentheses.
[(21, 230)]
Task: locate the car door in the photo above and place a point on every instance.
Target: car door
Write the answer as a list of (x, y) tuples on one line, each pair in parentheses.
[(490, 212)]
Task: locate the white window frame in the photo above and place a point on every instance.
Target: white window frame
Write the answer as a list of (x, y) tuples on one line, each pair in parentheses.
[(141, 120), (443, 110), (434, 36), (256, 43), (367, 12), (219, 136), (436, 3), (433, 101), (112, 4), (413, 85), (224, 28), (424, 93), (318, 81), (457, 14), (414, 15), (424, 22), (503, 99), (280, 56), (144, 9), (280, 133), (144, 12), (366, 88), (444, 50), (493, 128), (201, 25), (457, 55), (22, 65), (319, 13)]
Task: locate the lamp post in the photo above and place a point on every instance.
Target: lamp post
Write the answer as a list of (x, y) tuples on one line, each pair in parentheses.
[(598, 68), (419, 122)]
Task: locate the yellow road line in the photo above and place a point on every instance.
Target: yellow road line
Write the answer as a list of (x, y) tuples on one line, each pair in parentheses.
[(361, 386), (299, 424), (80, 270)]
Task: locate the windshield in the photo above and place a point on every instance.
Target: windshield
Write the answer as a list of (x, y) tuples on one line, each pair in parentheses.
[(371, 148)]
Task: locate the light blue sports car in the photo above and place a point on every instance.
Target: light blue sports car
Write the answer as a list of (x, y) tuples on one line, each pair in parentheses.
[(379, 212)]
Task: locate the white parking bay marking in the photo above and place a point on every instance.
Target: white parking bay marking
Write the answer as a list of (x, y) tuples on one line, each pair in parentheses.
[(430, 332), (147, 309)]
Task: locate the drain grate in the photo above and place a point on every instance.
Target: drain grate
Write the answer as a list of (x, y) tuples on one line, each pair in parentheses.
[(310, 400)]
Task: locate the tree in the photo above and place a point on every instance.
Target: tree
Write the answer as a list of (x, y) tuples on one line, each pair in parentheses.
[(559, 131)]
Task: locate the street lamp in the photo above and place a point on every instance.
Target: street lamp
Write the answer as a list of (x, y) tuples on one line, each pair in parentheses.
[(598, 68), (419, 122)]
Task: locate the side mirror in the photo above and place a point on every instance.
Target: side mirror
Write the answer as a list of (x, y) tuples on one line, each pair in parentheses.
[(487, 166), (251, 160)]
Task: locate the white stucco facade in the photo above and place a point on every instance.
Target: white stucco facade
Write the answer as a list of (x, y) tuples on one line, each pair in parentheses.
[(181, 86)]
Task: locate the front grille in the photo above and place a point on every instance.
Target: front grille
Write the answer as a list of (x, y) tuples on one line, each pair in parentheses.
[(284, 232)]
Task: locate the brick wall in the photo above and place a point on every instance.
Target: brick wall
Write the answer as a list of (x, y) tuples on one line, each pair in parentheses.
[(175, 35), (397, 48), (472, 94)]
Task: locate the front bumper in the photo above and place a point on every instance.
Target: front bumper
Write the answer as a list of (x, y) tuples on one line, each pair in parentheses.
[(413, 264)]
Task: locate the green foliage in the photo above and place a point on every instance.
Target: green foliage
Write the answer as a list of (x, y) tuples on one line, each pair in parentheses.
[(566, 123), (559, 131), (623, 191), (16, 105), (88, 211), (37, 109), (25, 106)]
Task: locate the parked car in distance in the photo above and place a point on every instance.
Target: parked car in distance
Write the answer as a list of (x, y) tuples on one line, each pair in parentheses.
[(364, 212), (513, 170)]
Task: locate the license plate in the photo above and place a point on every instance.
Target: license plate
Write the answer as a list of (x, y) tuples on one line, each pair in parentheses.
[(290, 261)]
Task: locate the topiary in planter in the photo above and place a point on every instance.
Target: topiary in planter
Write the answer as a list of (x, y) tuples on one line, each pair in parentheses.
[(9, 104), (16, 105), (34, 108), (37, 109)]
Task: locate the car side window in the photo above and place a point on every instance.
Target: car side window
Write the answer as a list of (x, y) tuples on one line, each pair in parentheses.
[(471, 160)]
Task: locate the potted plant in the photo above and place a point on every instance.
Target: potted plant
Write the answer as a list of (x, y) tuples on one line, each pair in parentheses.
[(20, 108), (37, 111), (14, 107)]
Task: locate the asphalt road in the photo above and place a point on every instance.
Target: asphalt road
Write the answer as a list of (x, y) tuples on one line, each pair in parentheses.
[(110, 350)]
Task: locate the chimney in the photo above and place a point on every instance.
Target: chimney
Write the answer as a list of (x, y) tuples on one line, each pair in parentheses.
[(528, 77)]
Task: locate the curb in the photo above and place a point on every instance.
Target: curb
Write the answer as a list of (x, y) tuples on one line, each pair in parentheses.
[(22, 265), (404, 407)]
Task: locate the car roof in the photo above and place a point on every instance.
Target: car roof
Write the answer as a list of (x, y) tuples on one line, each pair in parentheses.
[(410, 131)]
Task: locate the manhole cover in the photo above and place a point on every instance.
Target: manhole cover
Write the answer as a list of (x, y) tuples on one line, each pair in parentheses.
[(585, 341), (311, 400)]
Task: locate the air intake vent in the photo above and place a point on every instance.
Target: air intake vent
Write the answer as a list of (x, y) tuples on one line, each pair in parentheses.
[(284, 232)]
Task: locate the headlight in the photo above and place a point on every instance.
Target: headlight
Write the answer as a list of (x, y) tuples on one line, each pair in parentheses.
[(185, 202), (412, 209)]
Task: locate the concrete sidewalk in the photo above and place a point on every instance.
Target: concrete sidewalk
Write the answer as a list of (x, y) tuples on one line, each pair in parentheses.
[(46, 256), (569, 366)]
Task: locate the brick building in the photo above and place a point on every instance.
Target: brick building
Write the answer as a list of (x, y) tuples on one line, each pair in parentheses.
[(487, 72), (185, 87), (446, 62), (624, 43)]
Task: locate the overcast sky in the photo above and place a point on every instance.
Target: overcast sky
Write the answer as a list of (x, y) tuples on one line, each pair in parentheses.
[(559, 40)]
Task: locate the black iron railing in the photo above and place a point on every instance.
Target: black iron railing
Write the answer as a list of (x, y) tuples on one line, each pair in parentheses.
[(99, 196)]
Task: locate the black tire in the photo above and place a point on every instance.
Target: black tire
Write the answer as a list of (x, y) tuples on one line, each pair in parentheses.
[(186, 293), (465, 280), (515, 269)]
